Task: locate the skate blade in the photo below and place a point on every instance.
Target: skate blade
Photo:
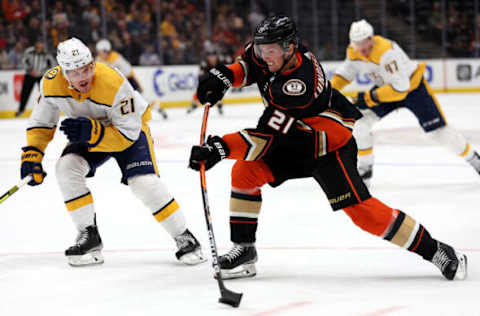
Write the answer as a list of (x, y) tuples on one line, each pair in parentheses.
[(91, 258), (193, 258), (244, 271), (461, 272)]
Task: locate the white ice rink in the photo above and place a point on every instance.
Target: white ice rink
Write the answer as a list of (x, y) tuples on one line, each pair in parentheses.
[(311, 261)]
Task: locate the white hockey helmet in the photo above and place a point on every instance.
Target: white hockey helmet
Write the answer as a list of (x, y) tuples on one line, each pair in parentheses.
[(103, 45), (360, 30), (73, 54)]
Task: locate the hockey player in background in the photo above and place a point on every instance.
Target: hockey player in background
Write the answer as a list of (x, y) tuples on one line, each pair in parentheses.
[(212, 59), (105, 54), (304, 131), (399, 83), (106, 118)]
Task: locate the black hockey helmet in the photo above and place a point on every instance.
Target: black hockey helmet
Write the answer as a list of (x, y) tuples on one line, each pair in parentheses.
[(276, 29)]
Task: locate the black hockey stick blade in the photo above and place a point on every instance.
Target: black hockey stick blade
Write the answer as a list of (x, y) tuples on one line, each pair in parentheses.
[(230, 298)]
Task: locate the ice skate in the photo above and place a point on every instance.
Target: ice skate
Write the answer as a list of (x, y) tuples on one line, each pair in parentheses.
[(189, 249), (452, 264), (192, 108), (366, 173), (220, 108), (87, 250), (239, 262), (163, 113), (475, 162)]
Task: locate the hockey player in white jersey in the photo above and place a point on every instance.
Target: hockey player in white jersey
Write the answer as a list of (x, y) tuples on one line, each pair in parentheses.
[(107, 55), (399, 82), (106, 118)]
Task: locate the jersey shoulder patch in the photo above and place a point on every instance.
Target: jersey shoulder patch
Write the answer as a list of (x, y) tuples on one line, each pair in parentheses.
[(54, 83), (52, 72)]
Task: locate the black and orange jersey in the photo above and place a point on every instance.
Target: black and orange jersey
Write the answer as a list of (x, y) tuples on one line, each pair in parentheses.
[(304, 117)]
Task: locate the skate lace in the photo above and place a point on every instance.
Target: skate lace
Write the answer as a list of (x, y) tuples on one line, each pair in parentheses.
[(234, 253), (82, 237), (441, 259), (183, 241)]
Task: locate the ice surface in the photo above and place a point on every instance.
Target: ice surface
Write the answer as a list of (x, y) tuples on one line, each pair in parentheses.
[(311, 261)]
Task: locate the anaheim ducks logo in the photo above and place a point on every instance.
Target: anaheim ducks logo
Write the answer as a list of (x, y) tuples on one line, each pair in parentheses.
[(51, 73), (294, 87)]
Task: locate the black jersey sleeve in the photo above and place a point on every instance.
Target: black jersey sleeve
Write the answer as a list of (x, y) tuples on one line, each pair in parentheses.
[(251, 64)]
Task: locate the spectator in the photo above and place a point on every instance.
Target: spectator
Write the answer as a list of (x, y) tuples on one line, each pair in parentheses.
[(14, 10), (131, 25), (4, 63), (35, 9), (167, 28), (135, 25), (60, 31), (15, 57), (149, 57), (32, 33)]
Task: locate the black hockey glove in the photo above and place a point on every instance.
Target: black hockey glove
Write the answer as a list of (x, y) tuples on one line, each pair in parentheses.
[(32, 165), (82, 130), (366, 100), (214, 150), (213, 85)]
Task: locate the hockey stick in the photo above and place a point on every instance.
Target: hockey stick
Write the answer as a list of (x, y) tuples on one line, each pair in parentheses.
[(15, 188), (227, 296)]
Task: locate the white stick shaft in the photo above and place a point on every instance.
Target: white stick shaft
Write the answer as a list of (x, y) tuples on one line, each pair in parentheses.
[(24, 181)]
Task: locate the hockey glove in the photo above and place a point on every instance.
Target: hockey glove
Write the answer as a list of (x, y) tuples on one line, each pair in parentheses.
[(213, 85), (366, 100), (83, 130), (214, 150), (32, 165)]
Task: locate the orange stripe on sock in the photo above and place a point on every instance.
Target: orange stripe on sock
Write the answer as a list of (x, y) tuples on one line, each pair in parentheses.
[(243, 222), (419, 239)]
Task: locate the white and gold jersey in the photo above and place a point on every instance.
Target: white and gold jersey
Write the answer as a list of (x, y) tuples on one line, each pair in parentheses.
[(114, 59), (387, 65), (111, 101)]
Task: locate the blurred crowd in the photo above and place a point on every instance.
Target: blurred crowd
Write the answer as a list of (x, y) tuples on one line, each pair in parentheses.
[(175, 35), (150, 32), (459, 23)]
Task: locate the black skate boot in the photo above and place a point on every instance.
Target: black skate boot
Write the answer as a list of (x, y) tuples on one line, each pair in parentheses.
[(366, 173), (452, 264), (192, 108), (239, 262), (87, 249), (163, 113), (220, 107), (475, 162), (189, 249)]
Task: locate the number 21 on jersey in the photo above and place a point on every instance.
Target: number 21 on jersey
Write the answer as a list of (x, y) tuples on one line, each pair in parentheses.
[(280, 122), (127, 106)]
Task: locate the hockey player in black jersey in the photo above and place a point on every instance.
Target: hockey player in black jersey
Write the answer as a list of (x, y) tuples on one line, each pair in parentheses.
[(304, 131), (212, 59)]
